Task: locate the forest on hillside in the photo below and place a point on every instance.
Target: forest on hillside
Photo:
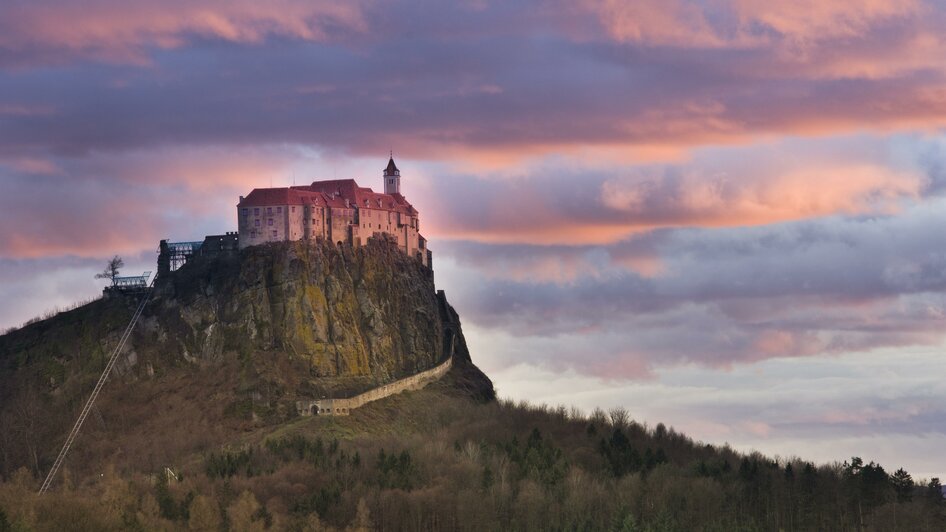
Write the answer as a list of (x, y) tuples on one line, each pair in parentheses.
[(435, 460)]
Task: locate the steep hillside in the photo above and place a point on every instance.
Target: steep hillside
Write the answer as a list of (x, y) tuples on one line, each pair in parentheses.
[(228, 343)]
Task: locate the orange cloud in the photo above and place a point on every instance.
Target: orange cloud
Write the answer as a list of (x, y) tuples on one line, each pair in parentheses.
[(658, 22), (693, 24), (121, 30), (722, 201), (609, 210), (817, 20)]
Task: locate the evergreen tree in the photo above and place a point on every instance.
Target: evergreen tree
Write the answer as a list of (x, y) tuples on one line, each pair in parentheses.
[(903, 485)]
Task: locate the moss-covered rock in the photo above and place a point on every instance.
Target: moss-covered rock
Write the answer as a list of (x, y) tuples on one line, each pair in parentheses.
[(366, 312)]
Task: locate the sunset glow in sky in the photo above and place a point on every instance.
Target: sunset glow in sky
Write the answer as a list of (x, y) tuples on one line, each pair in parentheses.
[(729, 216)]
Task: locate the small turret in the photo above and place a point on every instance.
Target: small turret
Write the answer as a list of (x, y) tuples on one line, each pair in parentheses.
[(392, 178)]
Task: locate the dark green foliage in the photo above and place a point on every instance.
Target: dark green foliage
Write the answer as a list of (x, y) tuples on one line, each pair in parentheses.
[(624, 521), (903, 485), (934, 493), (227, 464), (868, 484), (395, 470), (4, 523), (170, 508), (487, 481), (319, 501), (623, 458), (715, 469), (539, 459), (313, 451)]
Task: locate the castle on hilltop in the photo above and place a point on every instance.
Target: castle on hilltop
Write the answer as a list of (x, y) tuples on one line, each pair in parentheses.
[(337, 210)]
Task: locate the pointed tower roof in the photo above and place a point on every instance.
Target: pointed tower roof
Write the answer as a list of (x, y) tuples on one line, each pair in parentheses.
[(392, 168)]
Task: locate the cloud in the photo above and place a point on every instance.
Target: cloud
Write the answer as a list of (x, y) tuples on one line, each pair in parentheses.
[(128, 31), (565, 204), (750, 24), (124, 203), (499, 82), (721, 296)]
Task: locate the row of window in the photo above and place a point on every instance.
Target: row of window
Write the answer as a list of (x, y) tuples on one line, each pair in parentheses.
[(269, 210), (336, 212)]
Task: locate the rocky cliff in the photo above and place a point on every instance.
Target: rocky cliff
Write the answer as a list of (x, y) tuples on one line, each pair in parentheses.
[(352, 316), (236, 338)]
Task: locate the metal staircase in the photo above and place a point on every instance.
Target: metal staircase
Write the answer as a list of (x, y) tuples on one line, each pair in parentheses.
[(95, 392)]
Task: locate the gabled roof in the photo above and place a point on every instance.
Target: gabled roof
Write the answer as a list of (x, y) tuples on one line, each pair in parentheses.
[(339, 193)]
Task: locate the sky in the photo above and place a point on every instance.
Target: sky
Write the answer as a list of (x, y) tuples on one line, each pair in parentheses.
[(723, 215)]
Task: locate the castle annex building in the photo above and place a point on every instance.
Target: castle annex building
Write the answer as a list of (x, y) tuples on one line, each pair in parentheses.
[(337, 210)]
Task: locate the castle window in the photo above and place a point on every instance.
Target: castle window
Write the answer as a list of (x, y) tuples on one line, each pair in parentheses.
[(279, 209), (293, 209), (269, 210), (275, 233), (246, 212), (270, 222), (256, 211), (257, 222)]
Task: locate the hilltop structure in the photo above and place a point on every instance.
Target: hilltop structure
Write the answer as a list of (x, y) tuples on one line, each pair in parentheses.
[(337, 210)]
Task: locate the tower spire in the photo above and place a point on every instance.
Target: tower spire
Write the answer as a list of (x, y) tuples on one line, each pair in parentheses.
[(392, 177)]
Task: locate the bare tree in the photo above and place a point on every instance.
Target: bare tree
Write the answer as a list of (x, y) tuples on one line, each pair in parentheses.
[(619, 417), (111, 269)]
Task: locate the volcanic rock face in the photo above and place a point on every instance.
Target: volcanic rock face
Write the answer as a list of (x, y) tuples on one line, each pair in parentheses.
[(367, 313), (229, 342)]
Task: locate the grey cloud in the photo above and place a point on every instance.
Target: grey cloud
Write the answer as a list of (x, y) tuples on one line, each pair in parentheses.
[(833, 285)]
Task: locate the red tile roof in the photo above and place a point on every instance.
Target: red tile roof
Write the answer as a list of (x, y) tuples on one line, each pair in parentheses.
[(333, 193)]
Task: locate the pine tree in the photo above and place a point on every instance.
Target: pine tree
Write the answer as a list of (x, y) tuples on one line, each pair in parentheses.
[(903, 485)]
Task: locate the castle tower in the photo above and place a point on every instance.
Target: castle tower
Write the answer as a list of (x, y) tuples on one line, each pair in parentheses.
[(392, 178)]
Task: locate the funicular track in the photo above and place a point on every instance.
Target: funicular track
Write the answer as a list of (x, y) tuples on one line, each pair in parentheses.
[(95, 391)]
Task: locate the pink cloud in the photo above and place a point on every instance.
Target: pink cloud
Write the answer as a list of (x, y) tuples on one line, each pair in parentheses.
[(818, 20), (31, 165), (122, 31), (748, 23), (541, 210)]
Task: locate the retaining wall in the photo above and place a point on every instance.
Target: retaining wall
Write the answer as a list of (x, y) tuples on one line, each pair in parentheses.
[(342, 407)]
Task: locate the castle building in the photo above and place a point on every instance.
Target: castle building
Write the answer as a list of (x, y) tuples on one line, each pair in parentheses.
[(337, 210)]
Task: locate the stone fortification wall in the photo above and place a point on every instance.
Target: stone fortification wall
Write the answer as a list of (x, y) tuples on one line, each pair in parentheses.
[(342, 407)]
